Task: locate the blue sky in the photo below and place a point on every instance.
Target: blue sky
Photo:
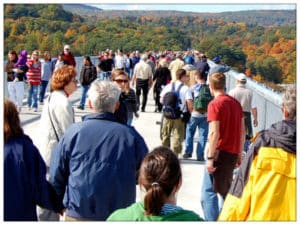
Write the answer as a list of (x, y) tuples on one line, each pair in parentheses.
[(196, 7)]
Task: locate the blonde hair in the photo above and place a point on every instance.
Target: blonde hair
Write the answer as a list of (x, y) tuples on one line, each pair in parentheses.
[(217, 81)]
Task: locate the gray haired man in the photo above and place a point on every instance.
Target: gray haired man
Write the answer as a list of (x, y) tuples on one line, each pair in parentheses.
[(95, 164)]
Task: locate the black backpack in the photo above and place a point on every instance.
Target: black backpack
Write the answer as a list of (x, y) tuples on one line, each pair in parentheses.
[(200, 102), (171, 101)]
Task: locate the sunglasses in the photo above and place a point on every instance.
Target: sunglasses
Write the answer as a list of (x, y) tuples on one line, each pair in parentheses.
[(121, 81)]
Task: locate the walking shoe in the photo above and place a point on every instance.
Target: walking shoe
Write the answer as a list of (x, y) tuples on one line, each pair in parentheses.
[(35, 110), (187, 155), (80, 107)]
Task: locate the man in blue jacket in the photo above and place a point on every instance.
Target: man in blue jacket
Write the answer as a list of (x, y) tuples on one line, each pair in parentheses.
[(94, 166)]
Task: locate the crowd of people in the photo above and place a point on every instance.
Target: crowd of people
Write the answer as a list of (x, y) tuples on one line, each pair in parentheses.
[(89, 170)]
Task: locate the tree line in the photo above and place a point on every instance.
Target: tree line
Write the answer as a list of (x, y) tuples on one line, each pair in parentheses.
[(268, 54)]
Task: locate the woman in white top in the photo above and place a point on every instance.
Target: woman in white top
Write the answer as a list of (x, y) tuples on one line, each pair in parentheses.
[(56, 117)]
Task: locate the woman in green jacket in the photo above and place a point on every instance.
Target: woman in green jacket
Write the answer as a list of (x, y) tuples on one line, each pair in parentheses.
[(160, 177)]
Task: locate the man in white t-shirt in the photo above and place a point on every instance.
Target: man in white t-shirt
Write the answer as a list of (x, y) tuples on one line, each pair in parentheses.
[(120, 60), (176, 127)]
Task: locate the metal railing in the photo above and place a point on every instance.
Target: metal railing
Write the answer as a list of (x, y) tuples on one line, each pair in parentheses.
[(267, 101)]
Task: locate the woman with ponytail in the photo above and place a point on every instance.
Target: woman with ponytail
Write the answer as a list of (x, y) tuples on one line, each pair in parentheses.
[(160, 178)]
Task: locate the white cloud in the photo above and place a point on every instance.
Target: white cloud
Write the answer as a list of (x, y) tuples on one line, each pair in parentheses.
[(196, 7)]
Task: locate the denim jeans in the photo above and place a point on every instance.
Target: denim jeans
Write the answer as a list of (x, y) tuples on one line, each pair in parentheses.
[(209, 199), (202, 124), (43, 88), (246, 145), (84, 89), (32, 100)]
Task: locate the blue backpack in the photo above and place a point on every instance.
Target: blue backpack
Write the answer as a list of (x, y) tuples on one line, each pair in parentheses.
[(171, 103)]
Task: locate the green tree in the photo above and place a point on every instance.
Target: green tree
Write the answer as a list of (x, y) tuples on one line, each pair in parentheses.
[(269, 69)]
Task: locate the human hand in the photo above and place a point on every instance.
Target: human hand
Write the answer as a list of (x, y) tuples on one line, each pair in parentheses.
[(239, 160), (210, 166), (255, 123)]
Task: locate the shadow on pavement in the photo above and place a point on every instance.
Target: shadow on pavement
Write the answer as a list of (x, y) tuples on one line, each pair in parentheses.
[(191, 161)]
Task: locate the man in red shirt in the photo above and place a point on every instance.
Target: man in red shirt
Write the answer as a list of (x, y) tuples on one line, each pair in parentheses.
[(225, 145), (68, 56)]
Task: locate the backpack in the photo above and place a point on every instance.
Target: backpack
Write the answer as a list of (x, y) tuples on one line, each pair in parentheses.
[(171, 101), (201, 101)]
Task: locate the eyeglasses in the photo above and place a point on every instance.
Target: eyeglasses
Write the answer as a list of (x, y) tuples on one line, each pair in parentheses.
[(119, 81)]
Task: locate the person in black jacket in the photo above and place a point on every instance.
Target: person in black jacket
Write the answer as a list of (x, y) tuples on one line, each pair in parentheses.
[(162, 76), (88, 74), (120, 78)]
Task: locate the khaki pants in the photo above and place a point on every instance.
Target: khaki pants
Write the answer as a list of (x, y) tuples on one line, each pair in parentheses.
[(69, 218), (174, 128)]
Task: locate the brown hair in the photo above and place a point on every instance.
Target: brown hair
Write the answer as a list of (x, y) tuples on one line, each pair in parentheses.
[(45, 56), (160, 173), (200, 74), (217, 81), (62, 77), (180, 73), (13, 52), (115, 73), (12, 125)]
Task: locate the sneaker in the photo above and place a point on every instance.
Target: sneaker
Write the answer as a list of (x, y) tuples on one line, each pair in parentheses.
[(187, 155), (80, 107), (35, 110)]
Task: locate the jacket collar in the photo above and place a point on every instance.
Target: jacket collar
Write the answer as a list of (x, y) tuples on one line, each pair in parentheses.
[(100, 116)]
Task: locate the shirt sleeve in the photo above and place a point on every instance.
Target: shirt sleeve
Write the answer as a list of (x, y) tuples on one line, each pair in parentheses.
[(211, 112)]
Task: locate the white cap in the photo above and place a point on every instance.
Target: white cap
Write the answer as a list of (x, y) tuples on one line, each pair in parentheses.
[(242, 77), (144, 57), (67, 47)]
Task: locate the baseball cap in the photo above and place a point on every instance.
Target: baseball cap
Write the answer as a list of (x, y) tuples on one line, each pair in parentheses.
[(242, 77), (67, 47), (217, 59)]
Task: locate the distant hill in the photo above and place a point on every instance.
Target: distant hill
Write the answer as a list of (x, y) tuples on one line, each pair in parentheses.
[(262, 44), (263, 18), (82, 9)]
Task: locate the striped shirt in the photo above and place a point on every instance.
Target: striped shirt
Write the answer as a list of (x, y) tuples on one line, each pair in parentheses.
[(34, 72)]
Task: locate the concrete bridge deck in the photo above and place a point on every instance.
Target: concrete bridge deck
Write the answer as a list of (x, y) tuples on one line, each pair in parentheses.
[(189, 194)]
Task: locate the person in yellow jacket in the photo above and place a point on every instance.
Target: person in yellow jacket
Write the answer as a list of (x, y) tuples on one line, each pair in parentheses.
[(265, 186)]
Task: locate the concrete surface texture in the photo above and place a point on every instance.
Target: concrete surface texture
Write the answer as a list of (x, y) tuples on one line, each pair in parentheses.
[(148, 126)]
